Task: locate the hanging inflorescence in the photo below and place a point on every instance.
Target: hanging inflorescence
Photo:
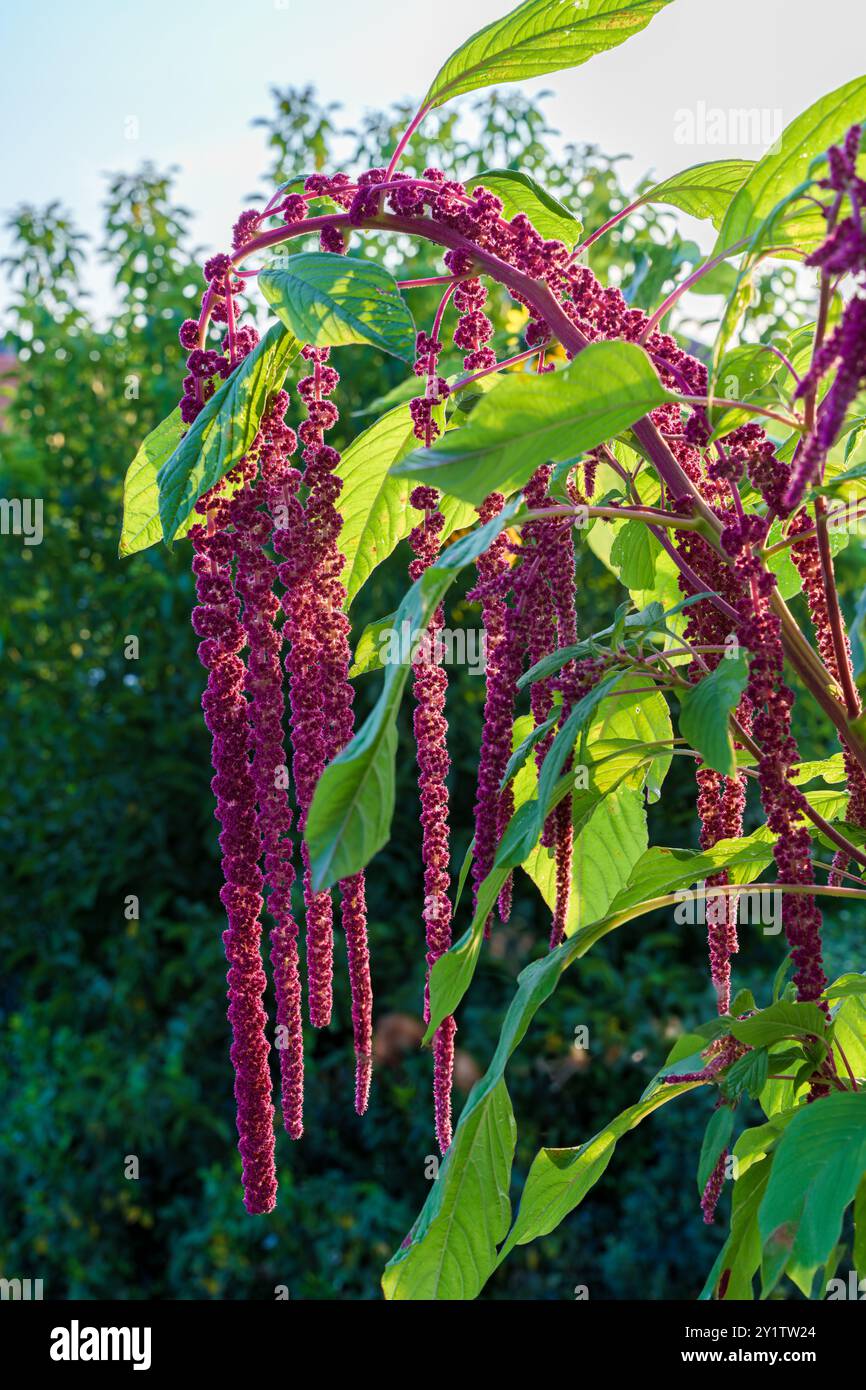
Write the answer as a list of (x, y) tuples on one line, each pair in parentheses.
[(268, 546)]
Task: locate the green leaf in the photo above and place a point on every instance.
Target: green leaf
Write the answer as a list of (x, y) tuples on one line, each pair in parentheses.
[(849, 1028), (535, 985), (748, 1073), (220, 436), (609, 837), (846, 985), (537, 37), (520, 193), (657, 873), (643, 719), (634, 553), (662, 870), (452, 1248), (717, 1137), (817, 1168), (350, 816), (525, 735), (779, 1022), (368, 652), (831, 769), (704, 190), (787, 165), (375, 506), (559, 1179), (528, 419), (141, 523), (743, 375), (332, 301), (859, 1252), (452, 973), (705, 709)]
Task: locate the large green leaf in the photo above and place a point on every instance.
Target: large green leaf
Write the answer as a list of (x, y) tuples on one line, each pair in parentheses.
[(452, 1249), (332, 301), (425, 1253), (787, 164), (141, 524), (662, 870), (350, 816), (634, 553), (705, 709), (608, 839), (778, 1022), (849, 1026), (539, 36), (618, 729), (704, 190), (559, 1179), (529, 419), (535, 985), (743, 375), (520, 193), (375, 506), (817, 1168), (224, 431)]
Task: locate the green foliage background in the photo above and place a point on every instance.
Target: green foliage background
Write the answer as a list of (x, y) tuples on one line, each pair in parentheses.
[(114, 1040)]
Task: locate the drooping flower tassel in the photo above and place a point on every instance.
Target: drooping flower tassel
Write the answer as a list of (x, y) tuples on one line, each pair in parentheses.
[(431, 736), (560, 569), (493, 802), (807, 558), (492, 568), (338, 694), (772, 702), (713, 1189), (254, 583), (225, 711), (303, 541), (843, 252)]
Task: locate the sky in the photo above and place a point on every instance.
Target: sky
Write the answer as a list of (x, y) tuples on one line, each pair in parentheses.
[(98, 85)]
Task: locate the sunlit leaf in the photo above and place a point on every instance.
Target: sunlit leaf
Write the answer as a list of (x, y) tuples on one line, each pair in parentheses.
[(141, 524), (520, 192), (332, 301), (539, 36), (224, 430), (788, 163), (704, 190), (530, 419)]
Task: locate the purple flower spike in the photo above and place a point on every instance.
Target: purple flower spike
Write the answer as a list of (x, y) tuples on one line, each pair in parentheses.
[(254, 583), (431, 736), (225, 712)]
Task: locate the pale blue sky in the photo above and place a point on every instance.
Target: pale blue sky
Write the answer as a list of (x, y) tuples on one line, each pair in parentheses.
[(193, 73)]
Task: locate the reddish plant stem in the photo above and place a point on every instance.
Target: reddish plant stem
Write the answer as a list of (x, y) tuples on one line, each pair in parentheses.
[(404, 140)]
